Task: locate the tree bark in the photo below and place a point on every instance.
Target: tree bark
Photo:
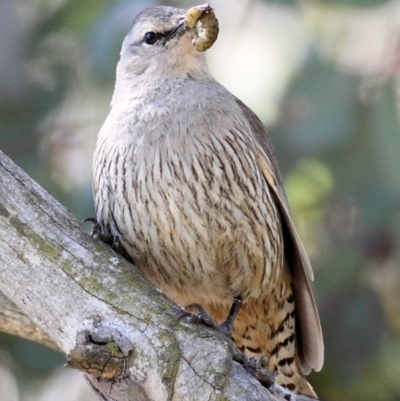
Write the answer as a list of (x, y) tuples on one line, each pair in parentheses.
[(14, 321), (75, 294)]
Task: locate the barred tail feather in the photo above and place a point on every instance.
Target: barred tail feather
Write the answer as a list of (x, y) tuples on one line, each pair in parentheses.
[(282, 347)]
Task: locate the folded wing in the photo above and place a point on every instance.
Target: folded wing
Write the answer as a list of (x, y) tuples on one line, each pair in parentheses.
[(308, 328)]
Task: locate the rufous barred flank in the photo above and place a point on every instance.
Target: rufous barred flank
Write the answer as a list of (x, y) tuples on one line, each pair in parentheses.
[(185, 176)]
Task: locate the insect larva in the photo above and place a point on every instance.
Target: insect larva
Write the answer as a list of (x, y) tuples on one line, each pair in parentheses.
[(209, 29)]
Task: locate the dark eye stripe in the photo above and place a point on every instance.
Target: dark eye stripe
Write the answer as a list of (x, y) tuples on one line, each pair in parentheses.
[(156, 36), (170, 33)]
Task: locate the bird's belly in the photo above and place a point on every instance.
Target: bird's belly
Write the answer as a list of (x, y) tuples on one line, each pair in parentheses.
[(197, 234), (173, 243), (194, 212)]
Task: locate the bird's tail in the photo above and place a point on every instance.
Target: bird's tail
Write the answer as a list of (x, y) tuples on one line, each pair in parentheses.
[(282, 346), (274, 336)]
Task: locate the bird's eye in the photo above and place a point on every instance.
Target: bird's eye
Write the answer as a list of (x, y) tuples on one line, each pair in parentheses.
[(150, 38)]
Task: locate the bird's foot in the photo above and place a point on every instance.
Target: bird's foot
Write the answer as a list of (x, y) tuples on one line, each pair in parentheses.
[(202, 317), (106, 237), (98, 232), (258, 367)]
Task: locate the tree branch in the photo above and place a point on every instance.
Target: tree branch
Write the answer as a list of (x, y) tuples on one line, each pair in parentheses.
[(97, 308), (14, 321)]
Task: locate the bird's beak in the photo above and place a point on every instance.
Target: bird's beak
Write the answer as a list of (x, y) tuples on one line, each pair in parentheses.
[(177, 31)]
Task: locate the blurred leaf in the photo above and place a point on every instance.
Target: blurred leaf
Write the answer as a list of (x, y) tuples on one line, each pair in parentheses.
[(337, 271), (338, 3), (70, 15), (384, 134), (320, 109), (282, 2), (354, 325), (355, 3), (307, 187), (308, 184)]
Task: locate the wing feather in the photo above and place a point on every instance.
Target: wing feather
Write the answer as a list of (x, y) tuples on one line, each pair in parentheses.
[(308, 328)]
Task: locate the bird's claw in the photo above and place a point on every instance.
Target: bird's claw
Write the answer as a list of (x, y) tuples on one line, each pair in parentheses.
[(202, 317), (107, 238), (98, 232), (257, 367)]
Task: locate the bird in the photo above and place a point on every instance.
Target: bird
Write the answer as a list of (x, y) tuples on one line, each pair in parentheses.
[(186, 178)]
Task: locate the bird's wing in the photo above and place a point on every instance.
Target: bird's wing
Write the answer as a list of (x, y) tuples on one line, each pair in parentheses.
[(308, 328)]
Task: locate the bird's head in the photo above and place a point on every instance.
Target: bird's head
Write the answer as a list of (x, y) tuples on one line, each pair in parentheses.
[(159, 44)]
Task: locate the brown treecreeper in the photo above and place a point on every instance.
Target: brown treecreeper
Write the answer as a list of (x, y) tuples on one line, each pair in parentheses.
[(186, 179)]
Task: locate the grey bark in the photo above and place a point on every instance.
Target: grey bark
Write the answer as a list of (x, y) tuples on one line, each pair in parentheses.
[(74, 293), (14, 321)]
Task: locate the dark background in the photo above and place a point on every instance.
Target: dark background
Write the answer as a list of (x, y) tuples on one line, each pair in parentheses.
[(324, 78)]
